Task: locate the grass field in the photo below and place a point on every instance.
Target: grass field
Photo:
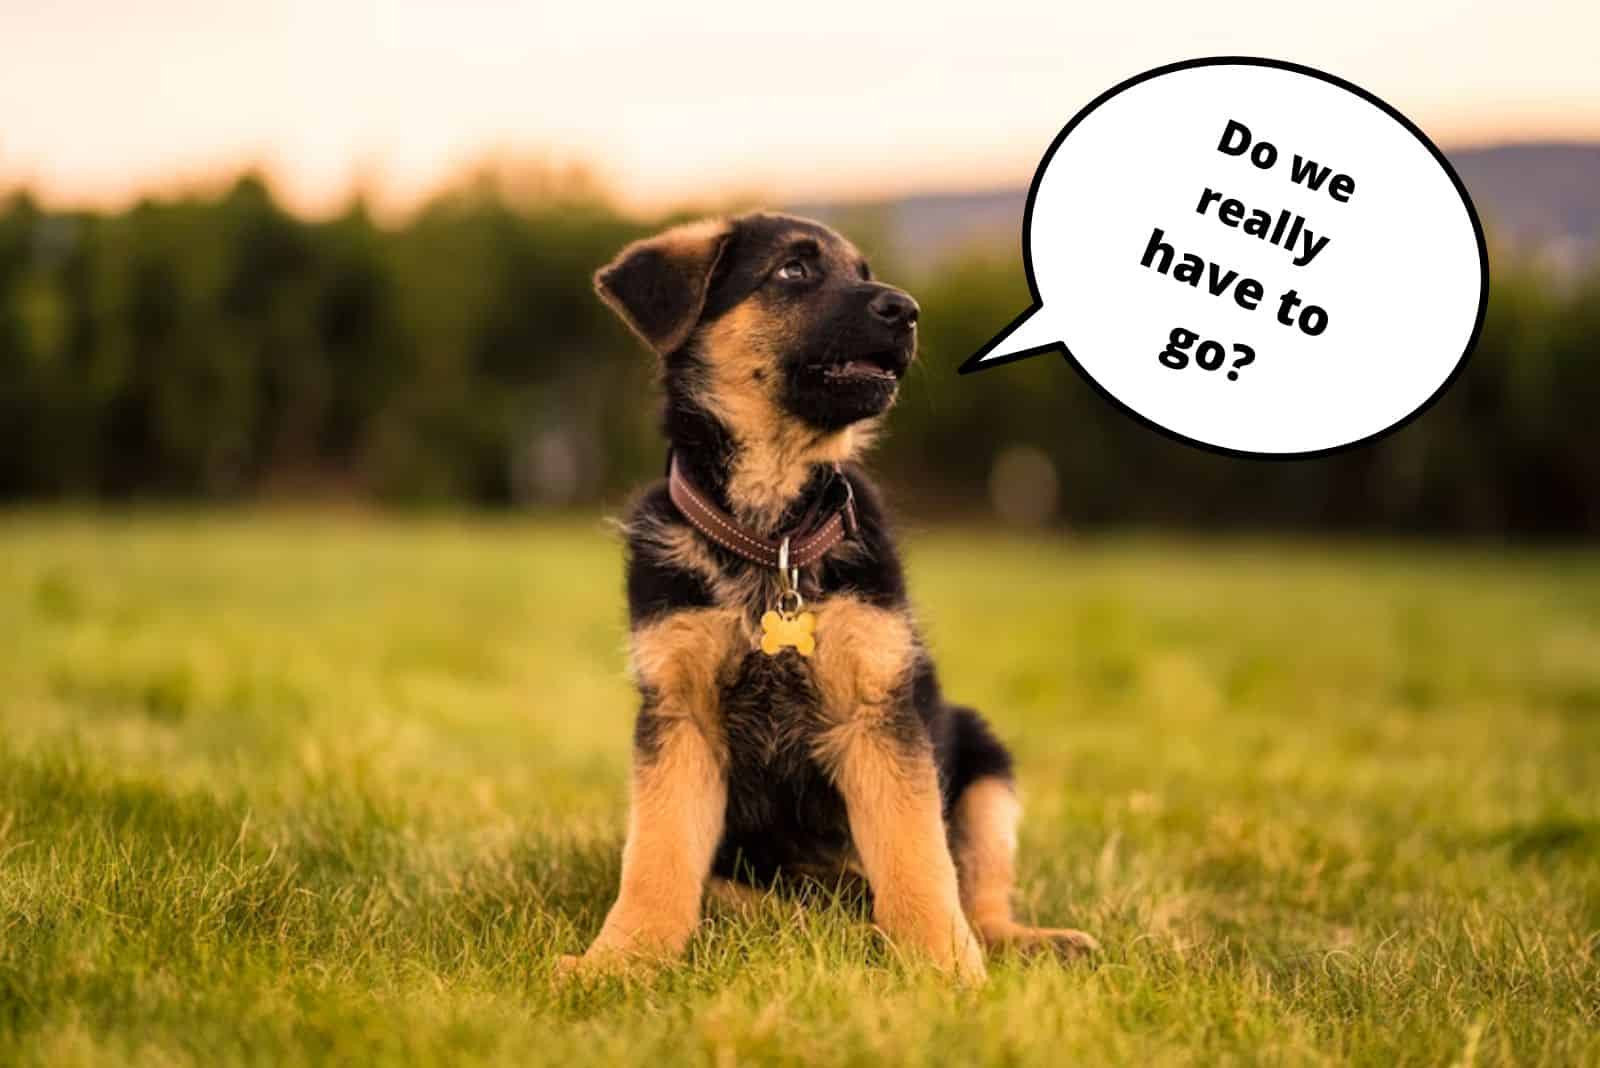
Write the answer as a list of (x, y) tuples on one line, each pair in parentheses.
[(289, 789)]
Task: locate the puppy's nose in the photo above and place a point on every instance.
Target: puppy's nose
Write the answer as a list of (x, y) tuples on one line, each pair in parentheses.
[(895, 308)]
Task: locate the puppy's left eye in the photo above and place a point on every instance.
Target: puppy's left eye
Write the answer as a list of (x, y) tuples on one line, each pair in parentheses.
[(793, 271)]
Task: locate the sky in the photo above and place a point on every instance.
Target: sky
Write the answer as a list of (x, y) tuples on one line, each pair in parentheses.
[(101, 100)]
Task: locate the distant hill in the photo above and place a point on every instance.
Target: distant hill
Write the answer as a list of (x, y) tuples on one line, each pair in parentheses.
[(1541, 196), (1544, 197)]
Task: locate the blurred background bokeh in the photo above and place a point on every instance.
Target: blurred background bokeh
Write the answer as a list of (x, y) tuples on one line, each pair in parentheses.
[(340, 253)]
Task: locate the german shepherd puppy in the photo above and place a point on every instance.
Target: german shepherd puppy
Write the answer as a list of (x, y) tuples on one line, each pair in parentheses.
[(836, 755)]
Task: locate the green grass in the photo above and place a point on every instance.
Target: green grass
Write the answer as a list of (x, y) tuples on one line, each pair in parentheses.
[(287, 789)]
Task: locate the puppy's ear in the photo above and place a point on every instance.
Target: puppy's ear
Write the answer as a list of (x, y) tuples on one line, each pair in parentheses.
[(659, 285)]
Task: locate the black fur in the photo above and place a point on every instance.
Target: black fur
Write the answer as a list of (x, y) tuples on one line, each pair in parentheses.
[(654, 591), (660, 291)]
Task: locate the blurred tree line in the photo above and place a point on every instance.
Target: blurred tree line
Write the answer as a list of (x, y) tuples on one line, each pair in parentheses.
[(220, 348)]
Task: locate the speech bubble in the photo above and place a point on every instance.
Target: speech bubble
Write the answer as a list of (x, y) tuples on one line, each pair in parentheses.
[(1251, 256)]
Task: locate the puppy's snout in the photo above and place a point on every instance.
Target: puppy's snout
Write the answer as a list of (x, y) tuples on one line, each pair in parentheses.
[(895, 308)]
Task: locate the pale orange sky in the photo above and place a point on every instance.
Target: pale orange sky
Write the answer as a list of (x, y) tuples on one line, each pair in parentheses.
[(99, 100)]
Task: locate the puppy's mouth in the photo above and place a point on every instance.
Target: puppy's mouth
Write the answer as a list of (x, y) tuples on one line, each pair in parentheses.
[(884, 367)]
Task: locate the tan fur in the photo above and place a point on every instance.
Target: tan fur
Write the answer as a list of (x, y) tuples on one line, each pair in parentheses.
[(986, 817), (674, 824), (985, 821), (890, 784), (679, 791), (682, 657), (892, 796), (864, 655), (775, 451)]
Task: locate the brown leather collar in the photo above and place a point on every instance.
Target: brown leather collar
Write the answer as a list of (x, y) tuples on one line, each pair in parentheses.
[(807, 544)]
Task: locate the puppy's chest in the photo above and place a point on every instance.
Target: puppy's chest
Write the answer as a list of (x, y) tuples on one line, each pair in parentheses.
[(770, 703), (771, 718), (771, 710)]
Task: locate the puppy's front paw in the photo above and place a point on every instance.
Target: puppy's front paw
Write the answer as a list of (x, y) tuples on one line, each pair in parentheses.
[(572, 968), (1063, 942), (1067, 942), (949, 946)]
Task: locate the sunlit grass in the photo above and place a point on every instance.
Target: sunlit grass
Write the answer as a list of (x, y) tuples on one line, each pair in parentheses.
[(281, 789)]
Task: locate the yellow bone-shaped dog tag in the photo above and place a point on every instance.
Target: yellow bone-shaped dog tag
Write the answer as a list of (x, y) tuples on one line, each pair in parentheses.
[(796, 630)]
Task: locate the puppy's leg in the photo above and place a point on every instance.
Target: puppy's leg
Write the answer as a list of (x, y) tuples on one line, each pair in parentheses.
[(679, 793), (984, 830), (880, 758), (892, 793)]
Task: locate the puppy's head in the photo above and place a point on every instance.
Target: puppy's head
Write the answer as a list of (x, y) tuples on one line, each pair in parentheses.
[(766, 320)]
